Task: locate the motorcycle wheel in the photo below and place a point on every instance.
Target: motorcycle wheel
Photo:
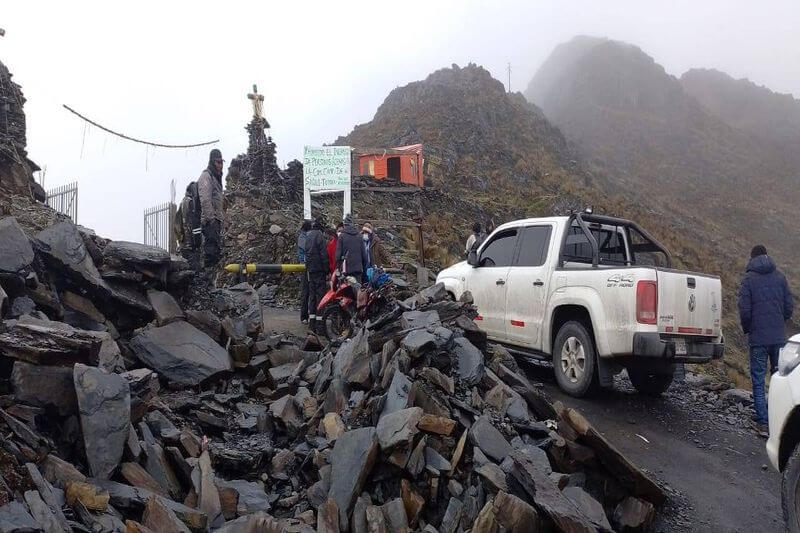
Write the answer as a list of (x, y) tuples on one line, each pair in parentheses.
[(338, 322)]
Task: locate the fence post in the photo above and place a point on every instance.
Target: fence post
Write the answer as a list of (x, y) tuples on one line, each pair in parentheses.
[(173, 244)]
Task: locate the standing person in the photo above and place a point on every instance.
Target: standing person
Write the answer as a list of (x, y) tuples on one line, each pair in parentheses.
[(350, 251), (301, 258), (475, 239), (317, 267), (209, 189), (332, 246), (374, 251), (765, 304)]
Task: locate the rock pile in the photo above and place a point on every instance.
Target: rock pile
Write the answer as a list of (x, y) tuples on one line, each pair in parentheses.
[(16, 170), (126, 413)]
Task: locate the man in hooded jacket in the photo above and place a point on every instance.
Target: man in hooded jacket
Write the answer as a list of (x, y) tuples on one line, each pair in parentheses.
[(317, 271), (209, 188), (765, 304), (350, 251)]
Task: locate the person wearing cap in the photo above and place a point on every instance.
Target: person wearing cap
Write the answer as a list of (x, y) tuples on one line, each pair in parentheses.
[(349, 251), (209, 188), (374, 251)]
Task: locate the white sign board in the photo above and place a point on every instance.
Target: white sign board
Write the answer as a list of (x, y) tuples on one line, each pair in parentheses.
[(326, 169)]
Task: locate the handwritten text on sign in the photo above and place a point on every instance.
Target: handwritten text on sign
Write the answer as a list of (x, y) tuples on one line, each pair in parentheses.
[(326, 167)]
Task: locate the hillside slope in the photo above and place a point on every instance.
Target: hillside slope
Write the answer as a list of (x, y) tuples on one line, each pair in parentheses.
[(658, 143), (746, 106)]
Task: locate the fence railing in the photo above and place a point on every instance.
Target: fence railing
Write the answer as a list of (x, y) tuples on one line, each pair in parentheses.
[(64, 199), (158, 221)]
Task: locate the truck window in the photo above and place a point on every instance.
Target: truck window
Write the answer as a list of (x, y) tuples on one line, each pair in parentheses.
[(500, 251), (533, 246), (645, 252), (610, 245)]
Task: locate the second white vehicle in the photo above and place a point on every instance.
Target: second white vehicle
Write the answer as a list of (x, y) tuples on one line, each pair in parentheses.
[(593, 294)]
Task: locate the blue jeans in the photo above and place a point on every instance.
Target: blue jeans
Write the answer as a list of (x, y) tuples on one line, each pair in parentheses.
[(758, 374)]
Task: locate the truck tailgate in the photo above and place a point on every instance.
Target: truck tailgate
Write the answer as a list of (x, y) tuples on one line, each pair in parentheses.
[(689, 304)]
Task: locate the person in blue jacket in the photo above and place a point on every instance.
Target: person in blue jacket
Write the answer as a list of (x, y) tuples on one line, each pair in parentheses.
[(765, 304)]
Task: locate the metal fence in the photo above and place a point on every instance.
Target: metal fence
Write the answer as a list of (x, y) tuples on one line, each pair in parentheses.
[(64, 199), (158, 221)]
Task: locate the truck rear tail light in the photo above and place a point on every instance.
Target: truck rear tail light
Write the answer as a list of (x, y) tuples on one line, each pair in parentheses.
[(647, 302)]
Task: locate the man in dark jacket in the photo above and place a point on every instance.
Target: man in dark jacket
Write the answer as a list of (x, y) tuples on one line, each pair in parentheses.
[(317, 272), (302, 239), (209, 188), (350, 251), (765, 304)]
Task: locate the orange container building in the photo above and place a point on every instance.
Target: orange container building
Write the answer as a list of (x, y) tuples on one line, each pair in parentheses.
[(402, 164)]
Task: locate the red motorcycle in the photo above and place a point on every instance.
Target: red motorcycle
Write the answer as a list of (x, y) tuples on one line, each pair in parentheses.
[(348, 303)]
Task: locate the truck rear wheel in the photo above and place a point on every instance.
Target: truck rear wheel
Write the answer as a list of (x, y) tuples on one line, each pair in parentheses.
[(790, 492), (648, 382), (575, 360)]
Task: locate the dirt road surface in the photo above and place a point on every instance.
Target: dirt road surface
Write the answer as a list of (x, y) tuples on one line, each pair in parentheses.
[(715, 473)]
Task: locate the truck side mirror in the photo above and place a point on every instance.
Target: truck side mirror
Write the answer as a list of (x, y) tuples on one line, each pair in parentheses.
[(472, 259)]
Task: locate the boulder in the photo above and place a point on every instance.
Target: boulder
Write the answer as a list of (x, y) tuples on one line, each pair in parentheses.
[(42, 513), (44, 342), (17, 251), (122, 252), (207, 322), (732, 396), (352, 361), (104, 405), (82, 305), (44, 386), (250, 495), (469, 362), (63, 249), (181, 353), (419, 319), (436, 424), (398, 428), (352, 459), (514, 514), (434, 460), (452, 516), (165, 307), (418, 343), (21, 305), (158, 517), (241, 301)]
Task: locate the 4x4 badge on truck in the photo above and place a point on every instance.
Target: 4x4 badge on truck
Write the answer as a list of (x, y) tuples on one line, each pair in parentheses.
[(692, 303)]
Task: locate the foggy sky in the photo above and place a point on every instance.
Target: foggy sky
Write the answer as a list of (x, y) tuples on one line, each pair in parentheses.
[(178, 72)]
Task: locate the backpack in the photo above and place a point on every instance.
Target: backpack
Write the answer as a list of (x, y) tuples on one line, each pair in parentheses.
[(192, 205)]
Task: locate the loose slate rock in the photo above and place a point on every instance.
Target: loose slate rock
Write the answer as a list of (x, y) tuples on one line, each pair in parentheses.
[(399, 396), (353, 456), (15, 518), (486, 437), (63, 247), (44, 386), (398, 427), (633, 515), (452, 516), (165, 307), (469, 360), (181, 353), (419, 319), (514, 514), (17, 251), (418, 342), (135, 253), (104, 403), (42, 513), (590, 507)]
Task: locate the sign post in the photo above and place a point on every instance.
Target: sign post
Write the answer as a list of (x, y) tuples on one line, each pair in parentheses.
[(326, 169)]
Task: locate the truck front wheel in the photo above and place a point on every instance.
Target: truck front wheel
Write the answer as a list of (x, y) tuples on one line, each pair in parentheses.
[(648, 382), (575, 360)]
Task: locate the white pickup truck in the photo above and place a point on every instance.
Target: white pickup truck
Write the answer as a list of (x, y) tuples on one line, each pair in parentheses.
[(593, 294)]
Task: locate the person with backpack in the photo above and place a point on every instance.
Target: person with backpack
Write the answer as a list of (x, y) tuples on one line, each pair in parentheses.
[(188, 228), (350, 251), (316, 259), (209, 189), (302, 238), (475, 239)]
